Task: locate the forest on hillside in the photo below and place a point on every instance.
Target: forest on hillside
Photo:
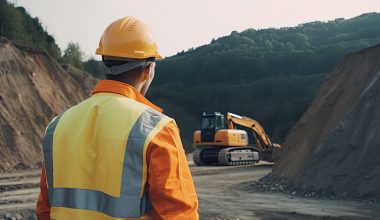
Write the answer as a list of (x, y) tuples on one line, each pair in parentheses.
[(17, 25), (271, 74), (307, 49)]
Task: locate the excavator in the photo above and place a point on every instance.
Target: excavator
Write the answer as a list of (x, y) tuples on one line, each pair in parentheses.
[(220, 143)]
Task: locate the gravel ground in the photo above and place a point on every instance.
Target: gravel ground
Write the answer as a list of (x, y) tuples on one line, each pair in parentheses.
[(225, 193)]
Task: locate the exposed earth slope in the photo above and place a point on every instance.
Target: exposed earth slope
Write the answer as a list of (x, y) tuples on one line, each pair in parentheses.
[(334, 148), (33, 89)]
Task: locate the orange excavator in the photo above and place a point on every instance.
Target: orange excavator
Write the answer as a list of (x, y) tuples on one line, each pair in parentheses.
[(220, 143)]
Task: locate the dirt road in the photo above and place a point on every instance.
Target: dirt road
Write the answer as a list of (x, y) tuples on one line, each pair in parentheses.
[(223, 195)]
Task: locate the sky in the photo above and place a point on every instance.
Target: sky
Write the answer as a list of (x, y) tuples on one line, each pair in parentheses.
[(182, 24)]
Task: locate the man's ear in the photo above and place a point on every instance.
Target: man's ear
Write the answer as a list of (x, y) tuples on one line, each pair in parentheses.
[(147, 71)]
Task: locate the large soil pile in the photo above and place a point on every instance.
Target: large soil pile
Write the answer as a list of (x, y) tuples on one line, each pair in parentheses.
[(33, 89), (335, 146)]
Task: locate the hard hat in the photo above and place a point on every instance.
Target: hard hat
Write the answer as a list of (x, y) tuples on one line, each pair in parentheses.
[(129, 38)]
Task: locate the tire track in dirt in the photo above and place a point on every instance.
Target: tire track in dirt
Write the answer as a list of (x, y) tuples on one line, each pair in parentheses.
[(19, 190)]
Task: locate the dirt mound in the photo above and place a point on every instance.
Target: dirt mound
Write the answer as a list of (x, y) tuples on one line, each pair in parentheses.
[(333, 149), (33, 89)]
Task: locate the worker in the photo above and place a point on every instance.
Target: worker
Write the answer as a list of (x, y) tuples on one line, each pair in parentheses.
[(115, 155)]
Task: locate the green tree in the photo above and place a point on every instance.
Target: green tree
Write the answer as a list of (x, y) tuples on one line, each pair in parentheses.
[(95, 68), (73, 55)]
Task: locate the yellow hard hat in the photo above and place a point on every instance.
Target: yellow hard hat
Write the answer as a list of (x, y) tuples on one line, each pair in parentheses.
[(130, 38)]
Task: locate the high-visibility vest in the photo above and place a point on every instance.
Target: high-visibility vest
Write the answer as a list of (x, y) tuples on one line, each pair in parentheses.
[(95, 158)]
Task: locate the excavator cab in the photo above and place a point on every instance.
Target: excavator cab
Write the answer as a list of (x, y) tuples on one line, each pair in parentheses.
[(211, 123)]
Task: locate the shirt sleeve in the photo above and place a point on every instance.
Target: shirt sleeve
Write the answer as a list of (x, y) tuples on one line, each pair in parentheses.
[(171, 188), (43, 207)]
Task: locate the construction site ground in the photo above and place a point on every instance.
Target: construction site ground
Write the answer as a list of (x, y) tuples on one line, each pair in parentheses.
[(222, 195)]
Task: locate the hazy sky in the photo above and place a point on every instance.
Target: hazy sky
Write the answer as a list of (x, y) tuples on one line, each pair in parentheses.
[(181, 24)]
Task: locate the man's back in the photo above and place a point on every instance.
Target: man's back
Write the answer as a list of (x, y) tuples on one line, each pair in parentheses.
[(106, 156)]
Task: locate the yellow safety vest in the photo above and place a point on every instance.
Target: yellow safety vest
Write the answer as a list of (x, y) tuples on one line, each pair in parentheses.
[(95, 158)]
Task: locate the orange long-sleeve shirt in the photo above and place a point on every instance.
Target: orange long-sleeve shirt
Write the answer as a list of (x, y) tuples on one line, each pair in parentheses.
[(171, 187)]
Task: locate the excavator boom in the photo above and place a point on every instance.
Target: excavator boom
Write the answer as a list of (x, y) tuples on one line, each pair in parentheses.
[(261, 138)]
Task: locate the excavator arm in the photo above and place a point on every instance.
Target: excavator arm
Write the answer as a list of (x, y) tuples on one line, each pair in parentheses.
[(261, 138)]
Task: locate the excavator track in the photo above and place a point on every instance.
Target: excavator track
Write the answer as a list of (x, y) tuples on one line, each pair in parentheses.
[(197, 158), (231, 156), (206, 156)]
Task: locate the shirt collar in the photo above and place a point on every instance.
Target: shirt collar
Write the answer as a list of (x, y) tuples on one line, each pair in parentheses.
[(124, 89)]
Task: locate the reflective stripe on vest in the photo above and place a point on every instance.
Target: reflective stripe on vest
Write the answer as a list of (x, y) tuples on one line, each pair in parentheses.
[(128, 205)]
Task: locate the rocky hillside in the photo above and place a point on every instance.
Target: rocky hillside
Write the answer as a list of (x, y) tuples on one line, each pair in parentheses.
[(335, 146), (33, 89)]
